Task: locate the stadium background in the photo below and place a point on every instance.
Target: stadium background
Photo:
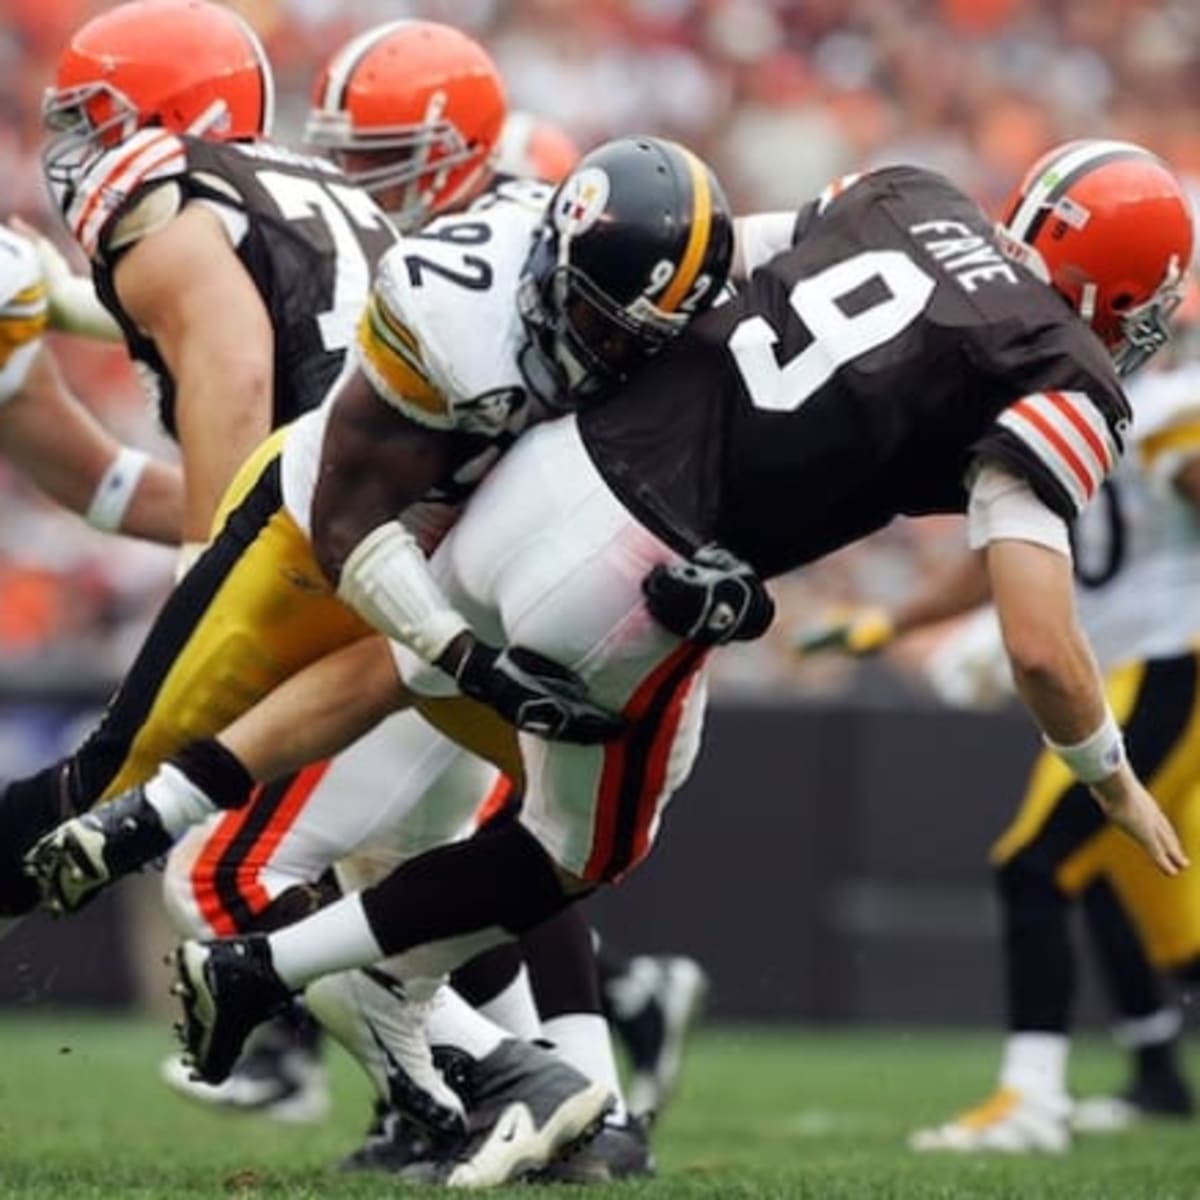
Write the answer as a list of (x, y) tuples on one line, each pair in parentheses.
[(836, 798)]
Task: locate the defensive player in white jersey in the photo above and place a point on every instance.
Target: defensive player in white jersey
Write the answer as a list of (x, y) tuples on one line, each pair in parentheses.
[(1137, 566), (53, 438)]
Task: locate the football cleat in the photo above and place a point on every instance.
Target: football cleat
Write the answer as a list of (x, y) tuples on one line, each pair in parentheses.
[(1008, 1120), (372, 1015), (1163, 1094), (618, 1151), (394, 1145), (280, 1074), (651, 1007), (74, 863), (227, 987), (526, 1107)]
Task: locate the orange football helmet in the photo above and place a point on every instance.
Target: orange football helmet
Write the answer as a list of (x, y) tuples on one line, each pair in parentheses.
[(533, 148), (1109, 227), (411, 110), (188, 66)]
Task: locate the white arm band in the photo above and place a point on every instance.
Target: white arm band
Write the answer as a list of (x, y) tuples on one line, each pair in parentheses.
[(114, 492), (1003, 506), (1098, 755), (386, 579)]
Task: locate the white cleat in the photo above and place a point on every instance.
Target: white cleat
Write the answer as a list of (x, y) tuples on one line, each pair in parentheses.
[(1008, 1121)]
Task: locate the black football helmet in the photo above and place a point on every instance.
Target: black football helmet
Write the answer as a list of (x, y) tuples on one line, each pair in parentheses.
[(636, 241)]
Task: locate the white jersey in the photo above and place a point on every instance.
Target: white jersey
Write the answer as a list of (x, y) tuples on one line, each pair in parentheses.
[(22, 311), (1137, 545), (439, 341)]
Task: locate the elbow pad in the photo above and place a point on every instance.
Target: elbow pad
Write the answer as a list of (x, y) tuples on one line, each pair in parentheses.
[(386, 580)]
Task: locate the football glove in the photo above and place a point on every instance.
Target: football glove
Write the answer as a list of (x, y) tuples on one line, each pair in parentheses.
[(709, 599), (534, 693), (858, 631)]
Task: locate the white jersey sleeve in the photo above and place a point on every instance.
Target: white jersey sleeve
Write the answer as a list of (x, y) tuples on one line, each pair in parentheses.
[(1166, 425), (439, 336), (23, 308)]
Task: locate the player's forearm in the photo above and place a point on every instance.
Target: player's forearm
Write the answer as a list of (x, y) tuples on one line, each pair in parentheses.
[(1057, 678), (318, 712), (155, 511)]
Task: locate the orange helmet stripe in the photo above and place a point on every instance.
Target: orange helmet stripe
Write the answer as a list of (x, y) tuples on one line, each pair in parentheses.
[(697, 245)]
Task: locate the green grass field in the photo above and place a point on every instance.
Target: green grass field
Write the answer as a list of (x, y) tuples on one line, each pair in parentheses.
[(793, 1115)]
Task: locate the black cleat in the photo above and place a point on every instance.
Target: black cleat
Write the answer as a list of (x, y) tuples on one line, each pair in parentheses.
[(616, 1152), (652, 1007), (526, 1107), (74, 863), (227, 988), (393, 1145)]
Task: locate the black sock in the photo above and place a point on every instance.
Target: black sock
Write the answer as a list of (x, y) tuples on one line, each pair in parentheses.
[(1037, 943), (501, 876), (562, 966), (488, 974), (29, 808), (216, 771), (1135, 988)]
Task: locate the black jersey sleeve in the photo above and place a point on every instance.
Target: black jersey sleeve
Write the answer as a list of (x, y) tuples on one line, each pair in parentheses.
[(1064, 443)]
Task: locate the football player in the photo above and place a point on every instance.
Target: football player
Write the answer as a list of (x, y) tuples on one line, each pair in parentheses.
[(434, 403), (1137, 554), (53, 438), (825, 392)]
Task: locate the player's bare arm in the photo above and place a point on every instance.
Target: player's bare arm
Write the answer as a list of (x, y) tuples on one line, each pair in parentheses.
[(185, 286), (78, 463), (1056, 676), (375, 463)]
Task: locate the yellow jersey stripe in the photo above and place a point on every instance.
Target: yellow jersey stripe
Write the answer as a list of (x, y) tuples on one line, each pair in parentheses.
[(388, 363), (693, 255)]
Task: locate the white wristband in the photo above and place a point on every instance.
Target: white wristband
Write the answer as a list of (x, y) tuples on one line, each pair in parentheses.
[(113, 493), (386, 579), (1098, 756)]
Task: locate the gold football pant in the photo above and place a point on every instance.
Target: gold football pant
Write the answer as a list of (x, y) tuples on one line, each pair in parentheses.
[(253, 610), (1060, 831)]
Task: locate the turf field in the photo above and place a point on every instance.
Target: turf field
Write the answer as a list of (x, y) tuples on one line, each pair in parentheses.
[(786, 1115)]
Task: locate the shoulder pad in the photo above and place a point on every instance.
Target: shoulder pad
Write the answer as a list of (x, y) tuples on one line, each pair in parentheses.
[(443, 319), (112, 180), (145, 215)]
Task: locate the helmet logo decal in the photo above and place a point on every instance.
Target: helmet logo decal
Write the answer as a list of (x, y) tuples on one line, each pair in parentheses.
[(1071, 212), (582, 200)]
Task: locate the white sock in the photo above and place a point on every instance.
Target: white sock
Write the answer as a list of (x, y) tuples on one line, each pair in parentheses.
[(453, 1022), (1035, 1064), (336, 938), (514, 1008), (180, 804), (582, 1039)]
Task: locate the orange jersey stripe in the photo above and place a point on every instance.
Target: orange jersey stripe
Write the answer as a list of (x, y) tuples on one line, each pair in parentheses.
[(1030, 414)]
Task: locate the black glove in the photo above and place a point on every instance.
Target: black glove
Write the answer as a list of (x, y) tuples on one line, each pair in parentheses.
[(532, 692), (710, 599)]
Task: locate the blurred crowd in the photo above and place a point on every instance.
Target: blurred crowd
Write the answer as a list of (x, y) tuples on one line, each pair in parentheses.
[(780, 95)]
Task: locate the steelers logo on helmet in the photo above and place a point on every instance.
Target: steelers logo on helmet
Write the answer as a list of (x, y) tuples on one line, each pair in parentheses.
[(581, 201), (636, 241)]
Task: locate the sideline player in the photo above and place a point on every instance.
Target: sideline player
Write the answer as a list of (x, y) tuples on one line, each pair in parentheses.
[(1137, 551), (855, 418)]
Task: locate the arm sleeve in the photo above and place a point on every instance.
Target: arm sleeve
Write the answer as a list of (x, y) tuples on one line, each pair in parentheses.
[(1062, 443), (1003, 506), (23, 313)]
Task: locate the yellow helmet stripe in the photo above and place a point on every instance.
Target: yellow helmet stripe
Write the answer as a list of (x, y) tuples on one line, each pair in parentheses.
[(693, 254)]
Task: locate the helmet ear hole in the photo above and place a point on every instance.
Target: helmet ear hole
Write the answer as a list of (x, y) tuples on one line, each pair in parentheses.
[(1122, 301)]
